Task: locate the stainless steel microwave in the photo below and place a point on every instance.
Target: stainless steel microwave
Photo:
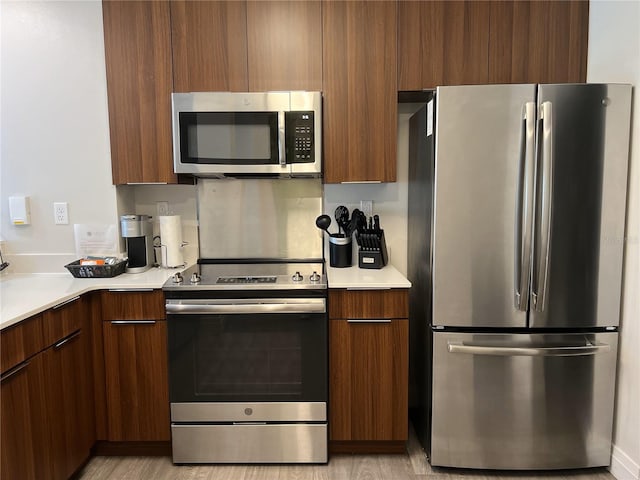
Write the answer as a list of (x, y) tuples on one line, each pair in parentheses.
[(219, 134)]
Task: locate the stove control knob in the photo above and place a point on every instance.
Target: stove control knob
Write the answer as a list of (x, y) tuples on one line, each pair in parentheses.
[(314, 277), (177, 278), (195, 277), (297, 277)]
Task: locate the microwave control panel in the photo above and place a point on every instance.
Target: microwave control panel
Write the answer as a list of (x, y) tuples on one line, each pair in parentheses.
[(299, 137)]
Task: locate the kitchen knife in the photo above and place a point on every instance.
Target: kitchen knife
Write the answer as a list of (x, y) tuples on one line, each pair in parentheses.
[(376, 223)]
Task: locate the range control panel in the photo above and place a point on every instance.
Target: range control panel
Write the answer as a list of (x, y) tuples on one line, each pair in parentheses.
[(299, 137)]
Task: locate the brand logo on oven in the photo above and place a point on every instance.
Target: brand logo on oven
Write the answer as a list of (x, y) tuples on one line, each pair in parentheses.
[(248, 411)]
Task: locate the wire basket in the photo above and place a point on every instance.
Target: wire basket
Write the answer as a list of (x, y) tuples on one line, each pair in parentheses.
[(96, 271)]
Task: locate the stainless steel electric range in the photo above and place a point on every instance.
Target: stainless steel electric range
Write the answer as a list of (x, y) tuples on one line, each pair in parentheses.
[(248, 358)]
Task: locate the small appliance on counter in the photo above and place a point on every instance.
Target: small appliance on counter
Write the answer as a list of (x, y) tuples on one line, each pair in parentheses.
[(137, 231)]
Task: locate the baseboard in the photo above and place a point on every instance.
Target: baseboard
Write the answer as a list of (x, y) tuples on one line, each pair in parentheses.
[(132, 449), (622, 466), (360, 447)]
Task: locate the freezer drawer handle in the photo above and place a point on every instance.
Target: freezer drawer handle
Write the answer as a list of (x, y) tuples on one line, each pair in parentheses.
[(570, 351)]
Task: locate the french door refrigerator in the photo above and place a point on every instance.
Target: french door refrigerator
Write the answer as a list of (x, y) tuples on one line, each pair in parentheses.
[(515, 245)]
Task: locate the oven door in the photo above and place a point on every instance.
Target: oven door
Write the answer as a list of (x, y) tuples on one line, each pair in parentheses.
[(267, 355)]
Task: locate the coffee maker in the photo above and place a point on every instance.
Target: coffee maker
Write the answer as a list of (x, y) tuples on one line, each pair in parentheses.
[(137, 230)]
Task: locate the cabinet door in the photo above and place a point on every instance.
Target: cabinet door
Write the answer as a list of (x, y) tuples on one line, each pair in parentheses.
[(368, 380), (137, 41), (70, 402), (538, 42), (136, 375), (360, 91), (25, 429), (209, 40), (442, 43), (284, 45)]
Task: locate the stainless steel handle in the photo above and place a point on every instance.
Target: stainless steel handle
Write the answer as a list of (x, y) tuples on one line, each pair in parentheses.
[(131, 289), (67, 339), (236, 306), (66, 302), (14, 370), (133, 322), (281, 139), (368, 320), (570, 351), (538, 296), (524, 208)]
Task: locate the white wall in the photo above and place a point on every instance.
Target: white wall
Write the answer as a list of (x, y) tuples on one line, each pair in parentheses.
[(54, 143), (614, 56)]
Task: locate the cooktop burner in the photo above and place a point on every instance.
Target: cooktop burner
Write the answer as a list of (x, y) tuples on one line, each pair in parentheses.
[(247, 276)]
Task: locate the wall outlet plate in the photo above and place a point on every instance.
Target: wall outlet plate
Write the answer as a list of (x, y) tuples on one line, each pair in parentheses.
[(366, 207), (162, 208), (61, 213)]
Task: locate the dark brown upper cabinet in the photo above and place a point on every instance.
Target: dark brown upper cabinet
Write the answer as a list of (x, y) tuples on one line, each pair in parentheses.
[(209, 41), (246, 46), (359, 78), (538, 42), (137, 41), (442, 43), (284, 45)]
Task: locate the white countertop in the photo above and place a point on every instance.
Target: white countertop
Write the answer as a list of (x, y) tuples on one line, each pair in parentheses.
[(24, 295), (355, 278)]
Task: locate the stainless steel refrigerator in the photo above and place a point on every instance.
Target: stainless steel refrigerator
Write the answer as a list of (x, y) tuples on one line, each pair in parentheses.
[(517, 197)]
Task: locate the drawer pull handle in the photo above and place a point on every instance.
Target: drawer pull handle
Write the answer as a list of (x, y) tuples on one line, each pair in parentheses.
[(14, 370), (368, 320), (133, 322), (131, 289), (65, 302), (67, 339)]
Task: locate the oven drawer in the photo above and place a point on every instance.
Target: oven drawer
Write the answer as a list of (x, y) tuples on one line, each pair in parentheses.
[(279, 443)]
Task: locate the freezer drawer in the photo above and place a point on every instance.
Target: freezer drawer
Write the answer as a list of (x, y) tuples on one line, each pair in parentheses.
[(522, 401)]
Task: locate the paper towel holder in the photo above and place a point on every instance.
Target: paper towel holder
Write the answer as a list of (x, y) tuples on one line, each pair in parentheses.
[(163, 255)]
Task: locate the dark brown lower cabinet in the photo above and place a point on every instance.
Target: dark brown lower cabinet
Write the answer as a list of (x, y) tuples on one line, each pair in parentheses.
[(46, 411), (24, 450), (368, 370), (70, 403), (137, 387)]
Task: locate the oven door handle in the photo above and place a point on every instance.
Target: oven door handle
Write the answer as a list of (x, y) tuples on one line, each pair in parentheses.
[(254, 306)]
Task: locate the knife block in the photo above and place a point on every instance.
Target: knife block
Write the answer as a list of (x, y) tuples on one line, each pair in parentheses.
[(372, 252)]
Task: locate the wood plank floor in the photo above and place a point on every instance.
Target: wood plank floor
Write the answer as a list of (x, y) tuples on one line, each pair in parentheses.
[(413, 466)]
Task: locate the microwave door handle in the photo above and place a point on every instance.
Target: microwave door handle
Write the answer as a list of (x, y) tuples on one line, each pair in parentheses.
[(281, 139)]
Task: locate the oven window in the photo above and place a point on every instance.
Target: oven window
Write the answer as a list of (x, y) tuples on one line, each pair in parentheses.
[(248, 357), (232, 361), (244, 138)]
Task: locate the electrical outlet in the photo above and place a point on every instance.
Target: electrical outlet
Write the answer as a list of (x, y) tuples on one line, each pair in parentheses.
[(366, 207), (61, 213), (162, 208)]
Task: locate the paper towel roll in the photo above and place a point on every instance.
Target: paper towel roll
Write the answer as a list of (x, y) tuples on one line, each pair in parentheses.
[(171, 241)]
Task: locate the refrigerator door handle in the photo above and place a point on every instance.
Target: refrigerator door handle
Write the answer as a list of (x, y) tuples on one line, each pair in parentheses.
[(569, 351), (524, 208), (546, 191)]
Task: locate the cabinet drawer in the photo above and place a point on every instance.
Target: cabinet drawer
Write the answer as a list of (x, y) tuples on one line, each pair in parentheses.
[(132, 305), (345, 304), (64, 319), (20, 341)]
